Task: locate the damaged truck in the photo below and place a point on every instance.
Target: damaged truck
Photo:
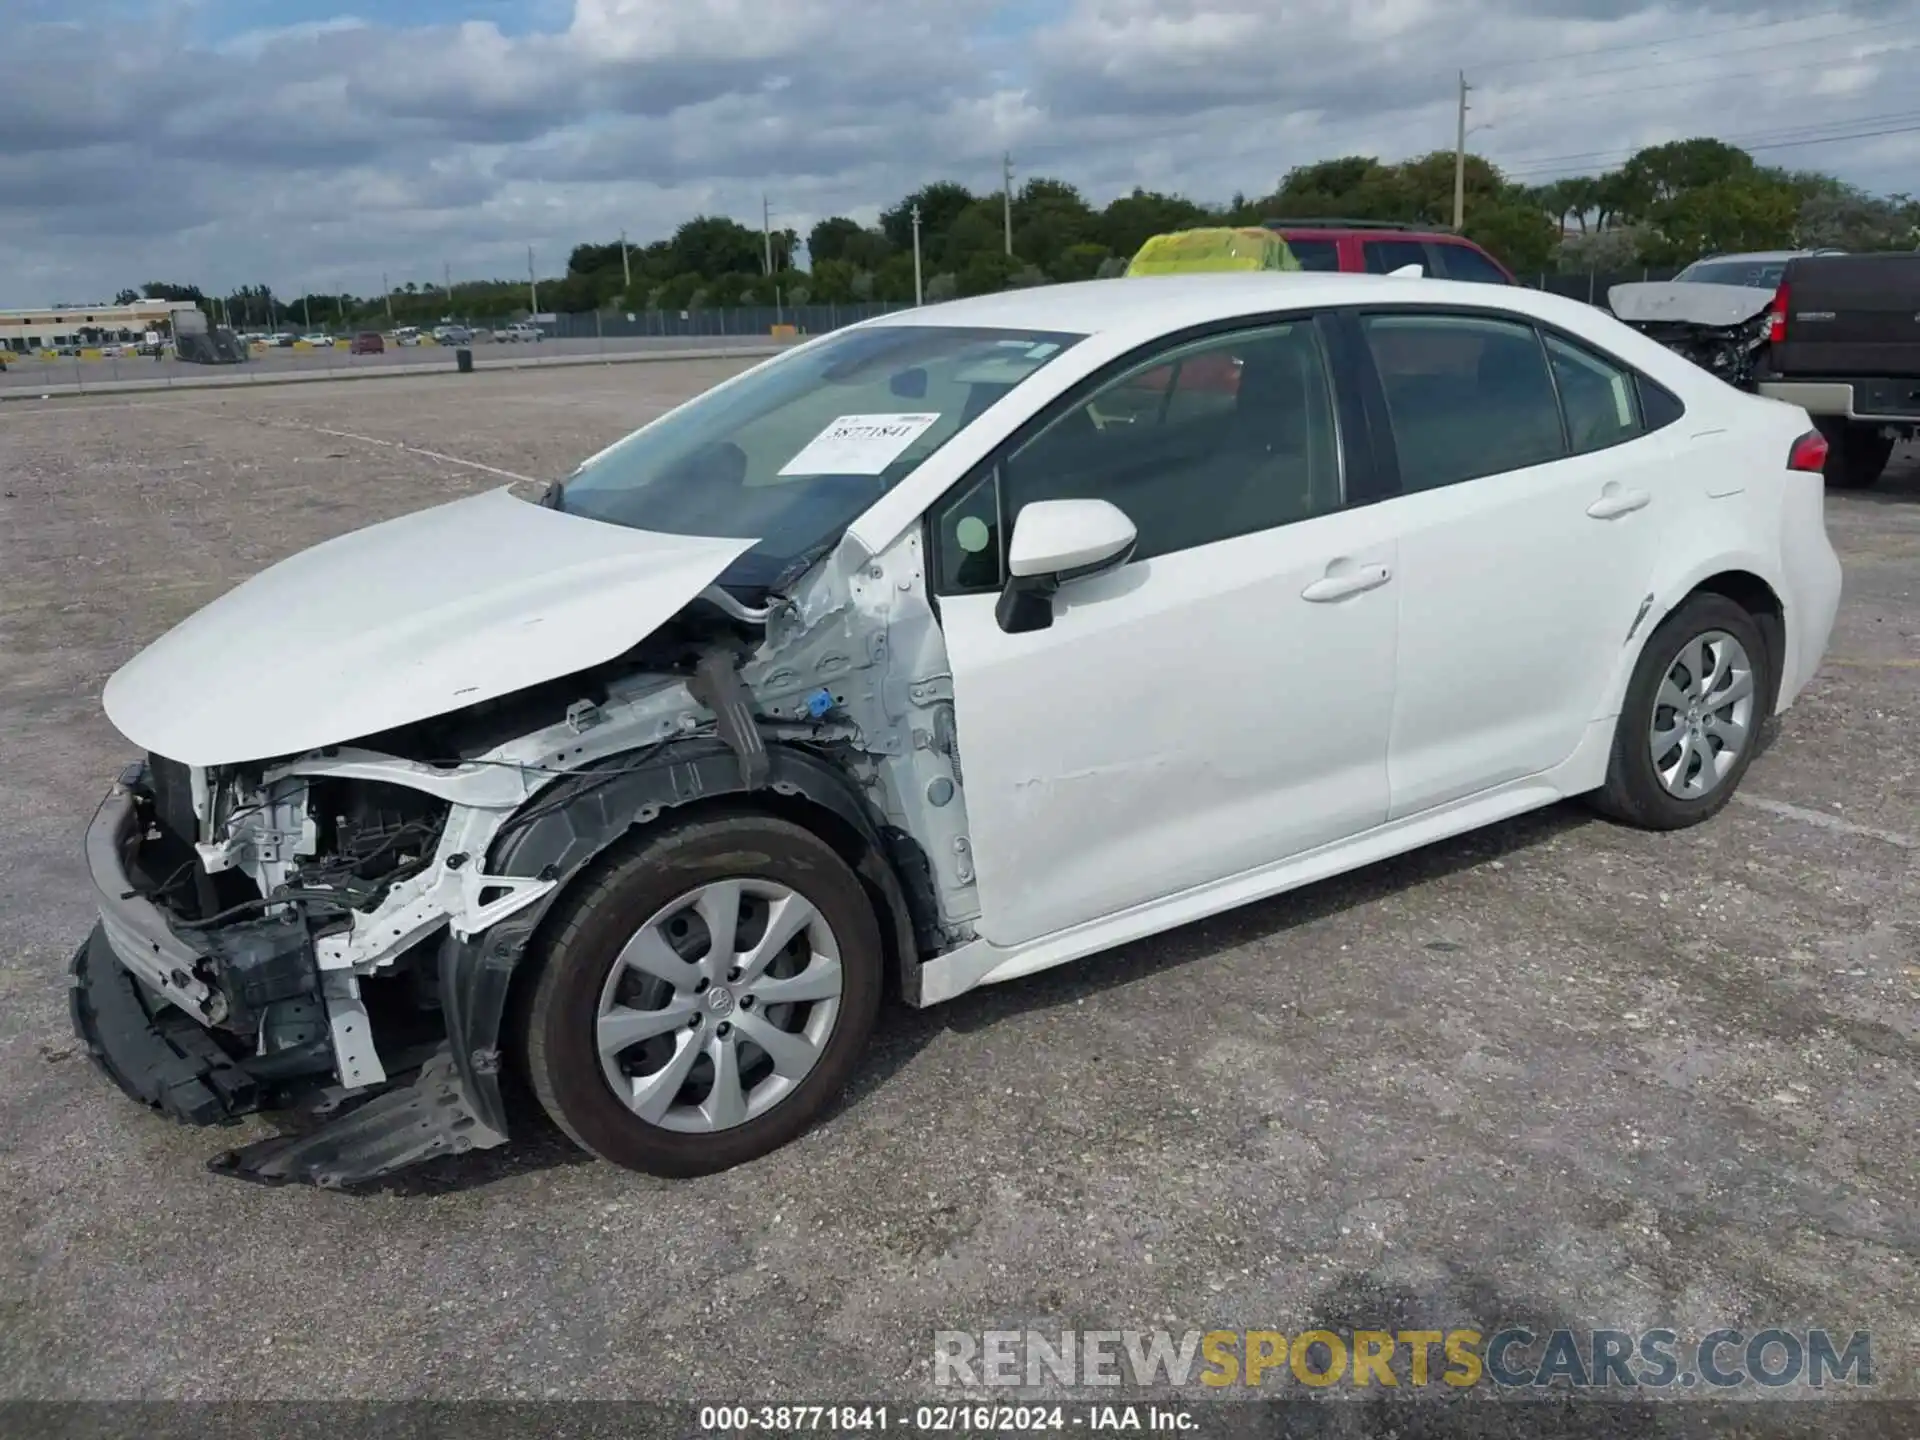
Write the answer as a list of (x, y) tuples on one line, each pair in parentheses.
[(1836, 334)]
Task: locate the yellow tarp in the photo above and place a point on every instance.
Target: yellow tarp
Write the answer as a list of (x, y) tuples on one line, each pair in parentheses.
[(1187, 252)]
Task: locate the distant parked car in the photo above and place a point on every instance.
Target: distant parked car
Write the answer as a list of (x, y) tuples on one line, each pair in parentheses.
[(1379, 247), (521, 331), (283, 339), (453, 335), (407, 335), (368, 342), (318, 340)]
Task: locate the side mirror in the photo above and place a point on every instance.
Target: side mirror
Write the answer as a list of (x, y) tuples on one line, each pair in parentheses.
[(1055, 541)]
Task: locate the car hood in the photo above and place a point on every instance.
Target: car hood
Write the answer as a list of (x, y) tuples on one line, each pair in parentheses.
[(408, 619), (1687, 302)]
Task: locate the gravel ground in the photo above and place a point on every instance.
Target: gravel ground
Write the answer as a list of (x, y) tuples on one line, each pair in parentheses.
[(1555, 1073)]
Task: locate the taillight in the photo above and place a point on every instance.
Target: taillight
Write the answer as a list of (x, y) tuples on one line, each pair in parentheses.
[(1809, 453), (1777, 317)]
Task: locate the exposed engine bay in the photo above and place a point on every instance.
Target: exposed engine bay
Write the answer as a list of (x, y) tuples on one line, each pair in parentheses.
[(1721, 328), (345, 923)]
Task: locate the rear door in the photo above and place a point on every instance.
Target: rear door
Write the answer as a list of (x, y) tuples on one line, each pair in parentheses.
[(1852, 315), (1527, 539)]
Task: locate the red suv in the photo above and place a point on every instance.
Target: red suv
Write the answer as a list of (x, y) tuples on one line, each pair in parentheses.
[(1379, 247)]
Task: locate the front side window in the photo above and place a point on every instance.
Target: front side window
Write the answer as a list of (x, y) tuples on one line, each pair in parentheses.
[(796, 451), (1216, 438), (1466, 396)]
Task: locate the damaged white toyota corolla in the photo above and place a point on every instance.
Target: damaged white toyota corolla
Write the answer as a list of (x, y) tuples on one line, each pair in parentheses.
[(931, 653)]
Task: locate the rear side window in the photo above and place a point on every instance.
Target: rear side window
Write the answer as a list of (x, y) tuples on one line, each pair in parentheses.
[(1466, 396), (1316, 254), (1386, 256), (1659, 406), (1463, 262), (1601, 401)]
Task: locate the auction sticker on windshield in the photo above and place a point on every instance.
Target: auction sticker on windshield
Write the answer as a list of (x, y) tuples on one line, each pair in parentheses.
[(859, 444)]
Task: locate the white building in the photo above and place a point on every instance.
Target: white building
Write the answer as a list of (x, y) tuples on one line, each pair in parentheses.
[(23, 331)]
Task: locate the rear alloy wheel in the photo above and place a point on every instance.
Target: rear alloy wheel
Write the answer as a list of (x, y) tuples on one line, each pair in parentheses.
[(706, 997), (1691, 718)]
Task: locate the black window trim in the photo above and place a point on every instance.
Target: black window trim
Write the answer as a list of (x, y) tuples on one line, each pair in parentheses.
[(1380, 428), (1359, 451)]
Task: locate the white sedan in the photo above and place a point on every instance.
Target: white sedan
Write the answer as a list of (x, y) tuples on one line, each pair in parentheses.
[(931, 653)]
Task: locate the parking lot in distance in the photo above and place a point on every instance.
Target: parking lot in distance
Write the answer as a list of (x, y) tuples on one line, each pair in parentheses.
[(1555, 1073)]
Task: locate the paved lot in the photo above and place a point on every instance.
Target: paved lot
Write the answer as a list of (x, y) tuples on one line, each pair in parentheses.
[(27, 376), (1559, 1072)]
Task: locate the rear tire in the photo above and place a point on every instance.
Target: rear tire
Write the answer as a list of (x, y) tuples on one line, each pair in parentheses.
[(1856, 454), (1691, 719), (649, 1058)]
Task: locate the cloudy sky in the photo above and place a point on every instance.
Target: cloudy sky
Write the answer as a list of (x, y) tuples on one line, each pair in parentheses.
[(313, 144)]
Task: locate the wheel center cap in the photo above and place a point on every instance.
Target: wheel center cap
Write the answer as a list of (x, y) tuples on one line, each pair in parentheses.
[(719, 1001)]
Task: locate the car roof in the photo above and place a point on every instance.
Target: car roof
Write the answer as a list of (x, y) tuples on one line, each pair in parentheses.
[(1159, 304), (1760, 255)]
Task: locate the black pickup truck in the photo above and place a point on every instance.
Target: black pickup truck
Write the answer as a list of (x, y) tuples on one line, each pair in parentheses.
[(1844, 345)]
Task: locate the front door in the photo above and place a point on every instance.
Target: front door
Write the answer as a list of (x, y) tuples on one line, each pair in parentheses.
[(1217, 704)]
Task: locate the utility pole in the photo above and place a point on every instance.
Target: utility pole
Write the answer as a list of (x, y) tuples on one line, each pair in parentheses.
[(446, 275), (306, 311), (1006, 186), (533, 285), (626, 265), (1460, 159), (916, 253), (766, 233), (387, 291)]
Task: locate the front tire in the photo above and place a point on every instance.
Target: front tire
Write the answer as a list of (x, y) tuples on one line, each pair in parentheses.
[(705, 996), (1691, 720)]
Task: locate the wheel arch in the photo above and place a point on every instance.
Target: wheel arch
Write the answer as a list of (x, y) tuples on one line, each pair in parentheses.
[(1742, 579), (566, 833)]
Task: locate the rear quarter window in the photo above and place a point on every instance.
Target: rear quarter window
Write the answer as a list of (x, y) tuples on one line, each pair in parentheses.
[(1464, 262)]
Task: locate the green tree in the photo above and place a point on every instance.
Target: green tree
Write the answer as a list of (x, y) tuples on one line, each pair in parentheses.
[(1079, 262), (715, 245), (1743, 212), (987, 271), (1662, 173), (1130, 221), (829, 239), (941, 203), (1049, 217)]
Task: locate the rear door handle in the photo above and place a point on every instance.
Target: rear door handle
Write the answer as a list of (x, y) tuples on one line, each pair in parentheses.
[(1353, 582), (1622, 502)]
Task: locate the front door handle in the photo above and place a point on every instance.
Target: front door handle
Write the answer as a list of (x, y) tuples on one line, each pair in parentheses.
[(1353, 582), (1615, 503)]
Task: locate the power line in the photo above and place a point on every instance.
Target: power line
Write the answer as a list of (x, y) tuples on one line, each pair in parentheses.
[(1803, 41), (1556, 173), (1755, 137), (1608, 92), (1655, 44)]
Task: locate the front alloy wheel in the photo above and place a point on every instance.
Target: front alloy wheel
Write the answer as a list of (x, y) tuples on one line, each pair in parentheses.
[(719, 1005), (705, 996)]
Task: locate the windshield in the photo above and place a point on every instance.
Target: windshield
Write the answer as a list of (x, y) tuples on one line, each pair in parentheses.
[(792, 454), (1751, 274)]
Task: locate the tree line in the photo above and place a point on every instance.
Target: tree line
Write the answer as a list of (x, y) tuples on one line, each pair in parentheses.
[(1667, 205)]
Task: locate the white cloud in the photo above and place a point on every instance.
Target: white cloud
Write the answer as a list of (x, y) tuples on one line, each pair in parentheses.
[(324, 154)]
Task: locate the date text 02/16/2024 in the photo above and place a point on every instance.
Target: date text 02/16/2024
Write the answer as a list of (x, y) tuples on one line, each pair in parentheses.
[(940, 1419)]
